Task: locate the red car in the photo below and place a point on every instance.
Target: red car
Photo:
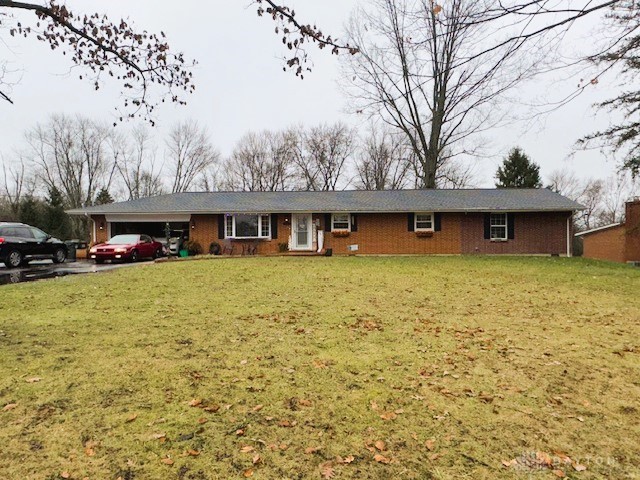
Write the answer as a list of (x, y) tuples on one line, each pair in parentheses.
[(126, 247)]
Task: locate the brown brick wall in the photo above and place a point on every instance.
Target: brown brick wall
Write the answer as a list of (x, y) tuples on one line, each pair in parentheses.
[(632, 223), (388, 233), (101, 234), (206, 232), (606, 244), (534, 233)]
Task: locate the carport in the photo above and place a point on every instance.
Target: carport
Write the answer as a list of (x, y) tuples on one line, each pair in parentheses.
[(153, 225)]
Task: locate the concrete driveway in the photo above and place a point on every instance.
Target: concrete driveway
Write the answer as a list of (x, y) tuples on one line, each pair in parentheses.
[(46, 269)]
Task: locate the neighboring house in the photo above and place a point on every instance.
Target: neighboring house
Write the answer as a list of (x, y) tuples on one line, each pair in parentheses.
[(618, 242), (491, 221)]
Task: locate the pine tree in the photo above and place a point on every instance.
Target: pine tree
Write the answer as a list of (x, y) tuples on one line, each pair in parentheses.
[(56, 221), (31, 211), (518, 171), (103, 197)]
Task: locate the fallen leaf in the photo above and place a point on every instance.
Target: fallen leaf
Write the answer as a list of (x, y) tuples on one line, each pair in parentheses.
[(240, 432), (434, 456), (380, 445), (327, 471), (578, 467), (381, 459), (509, 463), (132, 417), (33, 380), (89, 452), (304, 403), (193, 453), (256, 459), (310, 450), (158, 436), (389, 416), (248, 473), (9, 406), (257, 408), (430, 444), (196, 402), (374, 405), (65, 475), (348, 459), (247, 449), (558, 473), (212, 408), (202, 420), (167, 461)]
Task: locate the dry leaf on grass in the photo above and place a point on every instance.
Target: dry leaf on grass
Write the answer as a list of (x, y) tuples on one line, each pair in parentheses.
[(248, 473), (196, 402), (202, 420), (192, 453), (65, 475), (579, 468), (167, 461), (380, 445), (389, 416), (430, 444), (9, 406), (327, 471), (247, 449), (132, 417), (304, 403), (33, 380), (256, 459), (257, 408), (558, 473), (381, 459), (310, 450), (213, 408)]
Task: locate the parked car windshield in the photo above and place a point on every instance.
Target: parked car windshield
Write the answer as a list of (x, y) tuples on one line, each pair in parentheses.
[(123, 240)]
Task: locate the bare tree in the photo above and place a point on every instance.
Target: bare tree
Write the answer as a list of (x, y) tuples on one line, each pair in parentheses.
[(566, 183), (189, 153), (617, 190), (16, 186), (137, 59), (71, 154), (322, 156), (136, 163), (591, 199), (262, 162), (383, 161), (416, 69)]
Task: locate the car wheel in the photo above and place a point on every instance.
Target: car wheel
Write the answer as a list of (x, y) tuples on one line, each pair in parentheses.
[(14, 259), (157, 253), (59, 256), (134, 256)]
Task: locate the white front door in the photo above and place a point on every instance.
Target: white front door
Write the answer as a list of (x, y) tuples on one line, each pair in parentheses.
[(301, 231)]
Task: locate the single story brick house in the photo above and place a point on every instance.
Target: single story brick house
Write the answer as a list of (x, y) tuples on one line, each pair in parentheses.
[(485, 221), (618, 242)]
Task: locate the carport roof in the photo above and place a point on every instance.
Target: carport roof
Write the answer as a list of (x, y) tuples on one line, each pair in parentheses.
[(355, 201)]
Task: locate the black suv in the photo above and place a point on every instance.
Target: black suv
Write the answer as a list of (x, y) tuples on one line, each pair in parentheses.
[(20, 243)]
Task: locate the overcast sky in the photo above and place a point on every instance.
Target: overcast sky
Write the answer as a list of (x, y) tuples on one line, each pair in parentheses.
[(241, 85)]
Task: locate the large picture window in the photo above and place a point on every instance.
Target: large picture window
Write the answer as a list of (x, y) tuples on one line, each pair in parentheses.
[(248, 226), (498, 226)]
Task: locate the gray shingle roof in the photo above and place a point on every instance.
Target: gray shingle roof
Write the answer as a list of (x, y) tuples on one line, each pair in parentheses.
[(356, 201)]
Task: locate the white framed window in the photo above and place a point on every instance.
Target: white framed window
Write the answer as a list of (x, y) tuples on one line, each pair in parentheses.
[(340, 221), (248, 226), (498, 226), (423, 222)]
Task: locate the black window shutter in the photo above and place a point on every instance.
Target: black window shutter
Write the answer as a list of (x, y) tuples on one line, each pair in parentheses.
[(221, 226), (354, 223), (511, 230), (411, 224), (437, 222), (327, 222), (274, 225), (487, 226)]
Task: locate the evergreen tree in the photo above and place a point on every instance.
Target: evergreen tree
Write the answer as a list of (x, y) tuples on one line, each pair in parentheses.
[(103, 197), (31, 211), (518, 171), (56, 220)]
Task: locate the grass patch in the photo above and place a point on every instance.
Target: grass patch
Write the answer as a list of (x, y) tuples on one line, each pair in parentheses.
[(414, 367)]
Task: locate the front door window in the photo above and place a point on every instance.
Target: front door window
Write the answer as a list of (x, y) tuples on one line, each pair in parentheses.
[(302, 231)]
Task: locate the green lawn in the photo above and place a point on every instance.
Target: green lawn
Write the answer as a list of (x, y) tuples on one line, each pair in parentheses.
[(278, 368)]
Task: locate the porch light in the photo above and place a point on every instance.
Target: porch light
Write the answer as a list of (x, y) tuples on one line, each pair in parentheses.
[(193, 224), (101, 225)]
